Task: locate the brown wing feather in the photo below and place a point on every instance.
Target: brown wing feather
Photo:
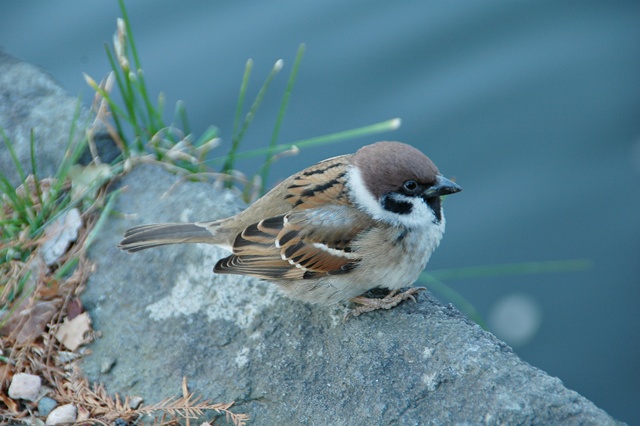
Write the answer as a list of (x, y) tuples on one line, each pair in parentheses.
[(322, 183), (316, 186), (302, 244), (258, 266)]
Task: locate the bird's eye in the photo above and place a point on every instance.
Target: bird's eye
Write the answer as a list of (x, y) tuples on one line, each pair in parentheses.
[(410, 185)]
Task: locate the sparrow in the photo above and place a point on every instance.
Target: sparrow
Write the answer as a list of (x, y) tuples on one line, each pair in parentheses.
[(332, 232)]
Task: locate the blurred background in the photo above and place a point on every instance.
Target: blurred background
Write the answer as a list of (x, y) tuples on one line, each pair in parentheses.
[(532, 106)]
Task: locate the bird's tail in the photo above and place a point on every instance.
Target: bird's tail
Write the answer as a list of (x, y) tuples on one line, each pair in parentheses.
[(159, 234)]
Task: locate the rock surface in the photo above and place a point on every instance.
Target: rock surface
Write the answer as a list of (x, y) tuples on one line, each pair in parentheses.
[(164, 315), (30, 100)]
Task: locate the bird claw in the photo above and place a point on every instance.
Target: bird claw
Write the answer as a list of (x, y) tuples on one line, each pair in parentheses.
[(391, 300)]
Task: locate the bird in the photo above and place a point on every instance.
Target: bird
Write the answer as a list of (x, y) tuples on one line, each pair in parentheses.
[(335, 232)]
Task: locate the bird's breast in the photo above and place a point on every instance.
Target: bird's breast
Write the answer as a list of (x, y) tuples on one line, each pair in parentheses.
[(394, 257)]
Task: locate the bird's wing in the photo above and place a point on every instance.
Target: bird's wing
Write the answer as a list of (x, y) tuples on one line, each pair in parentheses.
[(320, 184), (302, 244)]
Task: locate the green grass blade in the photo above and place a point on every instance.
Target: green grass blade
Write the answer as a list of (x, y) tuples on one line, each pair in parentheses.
[(66, 268), (115, 109), (14, 157), (283, 107), (456, 298), (120, 79), (181, 115), (235, 139), (7, 189), (34, 172), (258, 100), (17, 291), (155, 118), (241, 96), (150, 117), (108, 208), (384, 126), (73, 149), (32, 154), (21, 204), (125, 18), (211, 133)]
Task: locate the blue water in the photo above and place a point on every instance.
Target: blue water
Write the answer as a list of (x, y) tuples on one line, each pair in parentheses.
[(533, 106)]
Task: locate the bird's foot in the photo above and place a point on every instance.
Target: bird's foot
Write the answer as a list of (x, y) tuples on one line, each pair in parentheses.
[(393, 299)]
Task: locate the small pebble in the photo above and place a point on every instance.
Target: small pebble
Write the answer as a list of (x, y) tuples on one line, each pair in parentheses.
[(135, 402), (25, 386), (45, 405), (63, 414), (107, 364)]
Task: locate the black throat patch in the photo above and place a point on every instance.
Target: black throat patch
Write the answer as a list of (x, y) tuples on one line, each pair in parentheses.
[(435, 203), (391, 204)]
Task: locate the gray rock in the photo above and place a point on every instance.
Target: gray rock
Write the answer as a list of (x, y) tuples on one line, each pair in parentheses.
[(107, 364), (62, 415), (164, 315), (135, 402), (45, 405), (25, 386), (31, 99)]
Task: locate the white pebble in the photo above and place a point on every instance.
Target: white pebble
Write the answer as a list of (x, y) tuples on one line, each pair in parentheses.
[(59, 235), (63, 414), (25, 386), (135, 402)]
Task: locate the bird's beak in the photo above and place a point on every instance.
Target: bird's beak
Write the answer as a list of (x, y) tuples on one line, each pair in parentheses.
[(443, 186)]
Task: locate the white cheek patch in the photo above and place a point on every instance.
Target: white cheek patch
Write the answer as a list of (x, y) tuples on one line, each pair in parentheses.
[(421, 215), (361, 196)]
